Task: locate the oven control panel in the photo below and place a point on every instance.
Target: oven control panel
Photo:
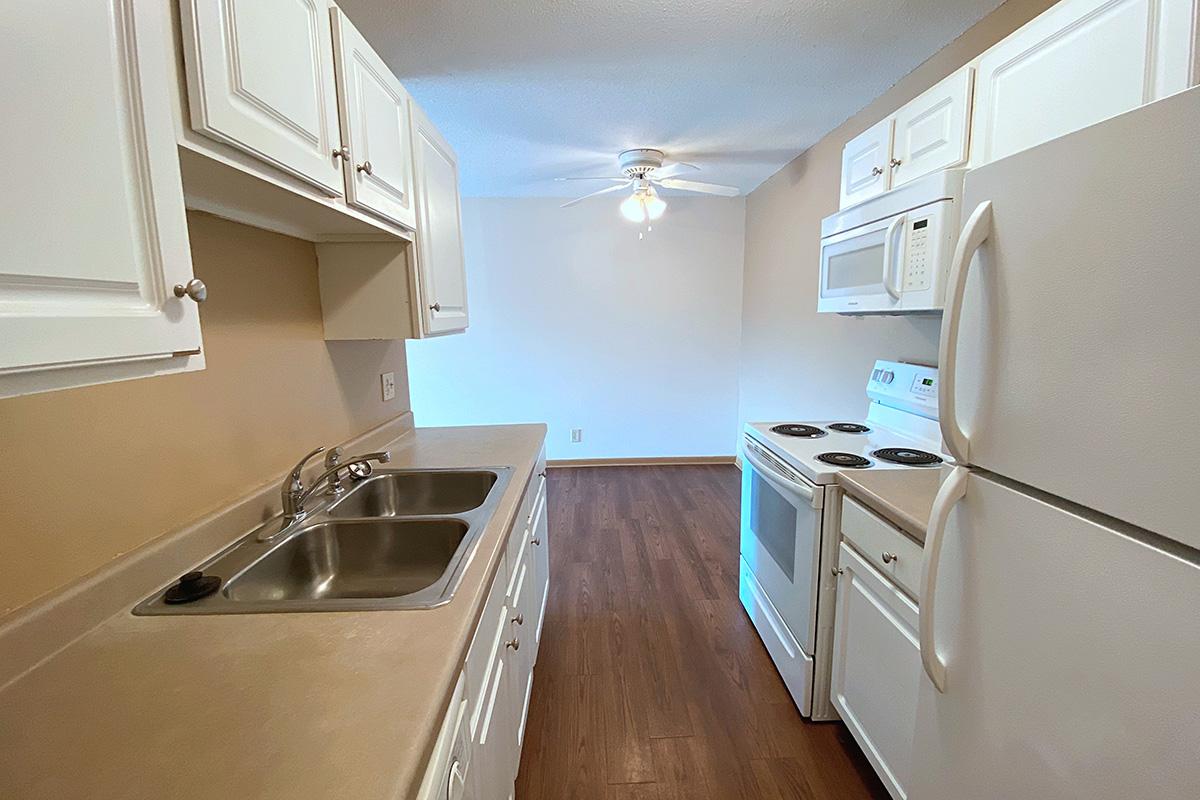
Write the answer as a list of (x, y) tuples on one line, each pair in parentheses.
[(909, 387)]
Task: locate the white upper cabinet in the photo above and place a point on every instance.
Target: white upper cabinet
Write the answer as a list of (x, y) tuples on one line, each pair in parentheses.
[(261, 79), (375, 128), (92, 236), (1078, 63), (930, 132), (441, 268), (927, 134), (865, 161)]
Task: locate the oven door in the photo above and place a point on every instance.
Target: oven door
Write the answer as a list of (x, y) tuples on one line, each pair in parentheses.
[(781, 538), (861, 267)]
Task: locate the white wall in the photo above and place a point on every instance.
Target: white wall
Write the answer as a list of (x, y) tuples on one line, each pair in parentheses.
[(577, 323)]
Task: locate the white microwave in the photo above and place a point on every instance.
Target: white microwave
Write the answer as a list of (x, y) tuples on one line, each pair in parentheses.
[(890, 254)]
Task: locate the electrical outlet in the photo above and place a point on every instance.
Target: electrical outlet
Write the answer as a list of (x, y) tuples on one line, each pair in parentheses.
[(388, 379), (576, 435)]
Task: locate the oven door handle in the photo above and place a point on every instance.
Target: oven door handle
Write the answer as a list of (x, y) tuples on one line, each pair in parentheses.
[(773, 476)]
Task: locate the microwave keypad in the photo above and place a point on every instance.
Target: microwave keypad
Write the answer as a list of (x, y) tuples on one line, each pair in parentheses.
[(916, 273)]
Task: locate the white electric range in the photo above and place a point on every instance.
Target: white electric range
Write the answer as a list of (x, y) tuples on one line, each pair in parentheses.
[(787, 534)]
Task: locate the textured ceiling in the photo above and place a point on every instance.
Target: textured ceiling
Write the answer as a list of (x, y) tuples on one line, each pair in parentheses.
[(526, 91)]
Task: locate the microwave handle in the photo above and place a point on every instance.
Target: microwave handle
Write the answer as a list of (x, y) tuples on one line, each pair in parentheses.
[(892, 252), (781, 482), (974, 234)]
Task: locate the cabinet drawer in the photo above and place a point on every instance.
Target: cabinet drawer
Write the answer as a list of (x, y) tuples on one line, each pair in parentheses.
[(873, 536)]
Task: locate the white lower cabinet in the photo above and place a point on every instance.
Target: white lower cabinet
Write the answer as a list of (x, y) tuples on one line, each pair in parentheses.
[(497, 680), (876, 668)]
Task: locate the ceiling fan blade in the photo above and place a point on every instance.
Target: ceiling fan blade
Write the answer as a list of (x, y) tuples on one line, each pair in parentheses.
[(674, 168), (621, 179), (703, 188), (605, 190)]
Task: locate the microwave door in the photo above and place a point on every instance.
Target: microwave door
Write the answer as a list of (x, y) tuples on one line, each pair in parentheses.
[(861, 269)]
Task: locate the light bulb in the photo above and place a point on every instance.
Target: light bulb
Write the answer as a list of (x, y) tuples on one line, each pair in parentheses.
[(633, 208), (655, 205)]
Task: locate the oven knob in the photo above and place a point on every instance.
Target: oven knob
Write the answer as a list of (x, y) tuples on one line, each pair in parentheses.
[(889, 376)]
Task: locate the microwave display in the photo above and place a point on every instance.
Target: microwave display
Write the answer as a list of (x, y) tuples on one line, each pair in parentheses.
[(921, 224)]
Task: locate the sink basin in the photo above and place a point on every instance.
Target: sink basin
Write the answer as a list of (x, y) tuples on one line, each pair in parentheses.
[(360, 558), (400, 539), (392, 494)]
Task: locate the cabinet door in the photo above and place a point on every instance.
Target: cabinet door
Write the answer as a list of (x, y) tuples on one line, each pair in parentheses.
[(1078, 63), (865, 159), (492, 741), (931, 130), (876, 668), (375, 126), (260, 78), (441, 267), (539, 530), (93, 234)]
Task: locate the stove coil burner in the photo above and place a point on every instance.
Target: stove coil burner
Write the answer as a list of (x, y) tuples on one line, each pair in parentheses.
[(849, 427), (849, 460), (803, 431), (907, 456)]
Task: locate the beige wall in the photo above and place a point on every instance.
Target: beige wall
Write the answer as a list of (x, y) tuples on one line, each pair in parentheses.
[(89, 474), (796, 364)]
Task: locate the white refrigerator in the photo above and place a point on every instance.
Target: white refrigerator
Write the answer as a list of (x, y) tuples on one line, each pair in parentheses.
[(1060, 597)]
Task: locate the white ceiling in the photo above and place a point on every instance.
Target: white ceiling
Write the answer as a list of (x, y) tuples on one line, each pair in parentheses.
[(526, 91)]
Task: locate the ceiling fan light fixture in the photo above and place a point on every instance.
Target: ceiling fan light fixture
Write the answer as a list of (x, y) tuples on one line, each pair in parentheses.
[(633, 208)]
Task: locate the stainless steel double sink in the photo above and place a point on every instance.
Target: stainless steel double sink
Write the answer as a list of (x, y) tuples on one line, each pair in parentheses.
[(396, 539)]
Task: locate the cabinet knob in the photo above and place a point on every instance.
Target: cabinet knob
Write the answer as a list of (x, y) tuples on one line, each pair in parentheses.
[(876, 171), (537, 542), (515, 644), (895, 162), (341, 152), (836, 571), (436, 307), (519, 619), (194, 289), (364, 167), (889, 557)]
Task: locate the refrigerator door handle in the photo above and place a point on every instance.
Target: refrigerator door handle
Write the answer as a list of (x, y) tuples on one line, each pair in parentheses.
[(953, 490), (890, 255), (974, 234)]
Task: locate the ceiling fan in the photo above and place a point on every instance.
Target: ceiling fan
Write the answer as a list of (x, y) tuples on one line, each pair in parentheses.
[(644, 169)]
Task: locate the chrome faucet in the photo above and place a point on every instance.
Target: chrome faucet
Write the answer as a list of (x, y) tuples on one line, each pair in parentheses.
[(293, 493)]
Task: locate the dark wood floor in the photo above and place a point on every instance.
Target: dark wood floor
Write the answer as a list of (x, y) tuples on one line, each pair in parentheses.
[(651, 683)]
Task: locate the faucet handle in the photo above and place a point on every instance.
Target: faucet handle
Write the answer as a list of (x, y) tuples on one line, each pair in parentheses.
[(333, 457), (300, 466)]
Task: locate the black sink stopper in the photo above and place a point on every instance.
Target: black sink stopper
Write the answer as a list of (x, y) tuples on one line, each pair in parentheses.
[(192, 587)]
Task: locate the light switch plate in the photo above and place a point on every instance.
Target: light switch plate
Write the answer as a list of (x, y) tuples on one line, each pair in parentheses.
[(389, 385), (576, 435)]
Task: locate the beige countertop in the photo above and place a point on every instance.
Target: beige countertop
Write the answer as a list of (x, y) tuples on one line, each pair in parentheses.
[(320, 705), (903, 496)]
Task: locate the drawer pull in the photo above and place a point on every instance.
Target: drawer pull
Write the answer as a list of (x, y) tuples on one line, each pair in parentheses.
[(837, 571), (535, 541), (519, 619), (515, 644), (889, 557)]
